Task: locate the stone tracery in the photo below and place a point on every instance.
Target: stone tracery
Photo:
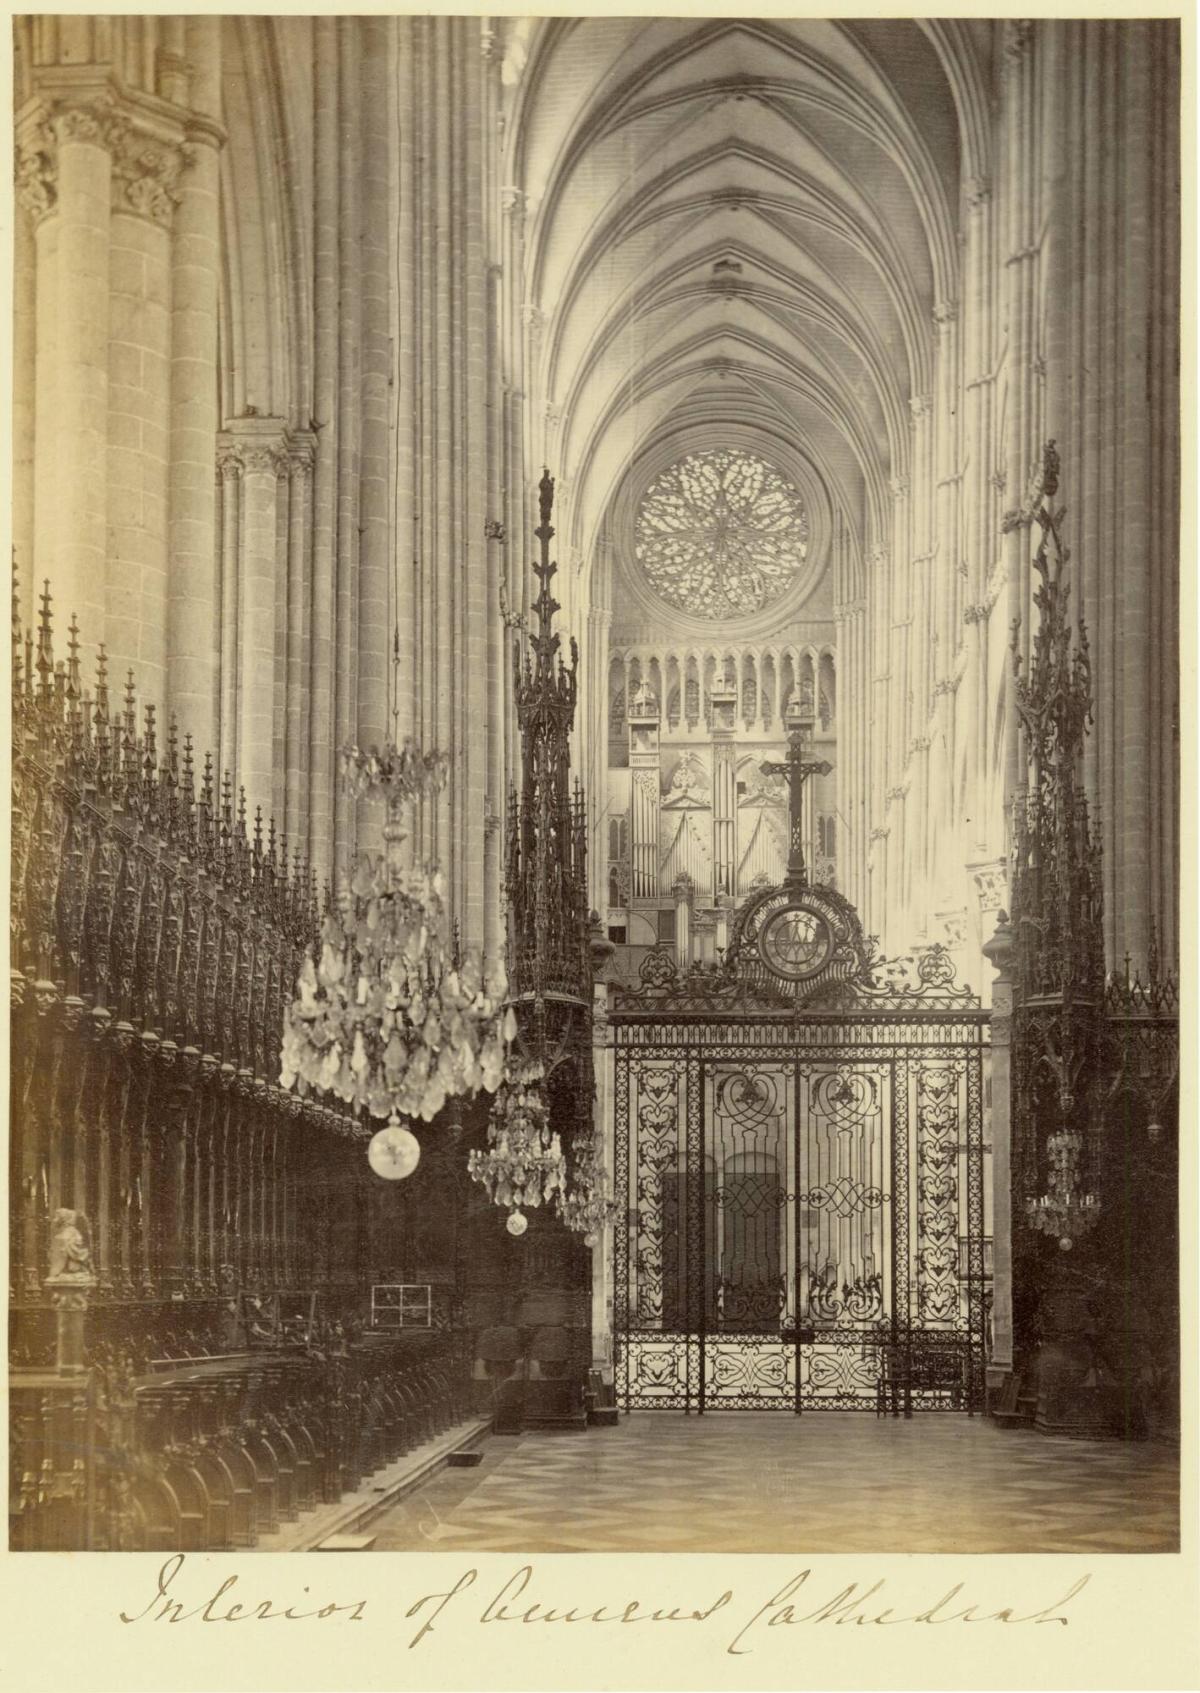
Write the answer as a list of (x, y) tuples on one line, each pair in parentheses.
[(721, 533)]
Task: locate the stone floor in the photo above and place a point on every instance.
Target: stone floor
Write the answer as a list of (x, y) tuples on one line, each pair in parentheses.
[(823, 1483)]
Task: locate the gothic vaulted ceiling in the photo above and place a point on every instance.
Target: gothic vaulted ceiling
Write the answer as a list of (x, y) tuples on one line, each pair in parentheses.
[(738, 229)]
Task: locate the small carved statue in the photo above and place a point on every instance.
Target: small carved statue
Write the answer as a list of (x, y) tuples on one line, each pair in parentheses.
[(70, 1251)]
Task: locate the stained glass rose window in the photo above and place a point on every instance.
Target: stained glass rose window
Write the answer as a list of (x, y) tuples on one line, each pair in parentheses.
[(721, 533)]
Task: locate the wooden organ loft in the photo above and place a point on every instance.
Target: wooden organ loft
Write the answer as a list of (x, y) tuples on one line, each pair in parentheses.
[(220, 1319)]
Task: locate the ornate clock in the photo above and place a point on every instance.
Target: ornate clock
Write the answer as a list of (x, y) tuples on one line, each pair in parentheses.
[(795, 943)]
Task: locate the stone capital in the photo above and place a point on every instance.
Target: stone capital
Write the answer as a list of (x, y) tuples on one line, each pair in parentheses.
[(37, 171), (898, 487), (512, 203), (261, 446), (90, 122), (146, 173), (920, 405), (229, 461), (534, 319), (302, 454), (144, 139), (991, 884)]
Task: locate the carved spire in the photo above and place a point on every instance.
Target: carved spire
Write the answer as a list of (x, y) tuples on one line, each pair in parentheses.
[(45, 644), (545, 878), (1057, 898), (539, 686), (73, 688)]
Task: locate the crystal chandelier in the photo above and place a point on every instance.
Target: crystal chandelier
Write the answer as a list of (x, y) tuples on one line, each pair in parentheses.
[(584, 1205), (524, 1163), (1064, 1210), (388, 1017)]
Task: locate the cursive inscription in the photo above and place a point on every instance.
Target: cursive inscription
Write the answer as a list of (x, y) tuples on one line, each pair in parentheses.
[(859, 1607), (745, 1621), (854, 1603), (162, 1607)]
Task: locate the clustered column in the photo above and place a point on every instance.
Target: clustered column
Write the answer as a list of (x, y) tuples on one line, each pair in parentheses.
[(112, 326)]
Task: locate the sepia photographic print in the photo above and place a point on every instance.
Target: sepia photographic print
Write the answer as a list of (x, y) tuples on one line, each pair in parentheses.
[(596, 809)]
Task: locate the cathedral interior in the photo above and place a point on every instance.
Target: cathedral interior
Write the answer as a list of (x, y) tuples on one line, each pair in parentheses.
[(595, 834)]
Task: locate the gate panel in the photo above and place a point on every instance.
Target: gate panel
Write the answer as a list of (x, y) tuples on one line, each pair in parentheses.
[(802, 1211), (844, 1215), (750, 1237), (659, 1260)]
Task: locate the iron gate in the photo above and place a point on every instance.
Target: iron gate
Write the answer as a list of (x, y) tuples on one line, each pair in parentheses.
[(800, 1217)]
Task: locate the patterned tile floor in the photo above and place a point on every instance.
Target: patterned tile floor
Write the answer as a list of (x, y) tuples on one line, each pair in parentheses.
[(825, 1483)]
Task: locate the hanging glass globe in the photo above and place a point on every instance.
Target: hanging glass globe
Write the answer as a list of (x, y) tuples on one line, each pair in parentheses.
[(394, 1152), (517, 1223)]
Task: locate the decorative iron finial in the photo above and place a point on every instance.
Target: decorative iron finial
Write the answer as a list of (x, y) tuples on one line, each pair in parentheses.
[(548, 947), (1054, 698), (545, 642), (1056, 890), (541, 691)]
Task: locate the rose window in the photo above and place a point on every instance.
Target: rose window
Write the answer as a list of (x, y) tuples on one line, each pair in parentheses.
[(721, 533)]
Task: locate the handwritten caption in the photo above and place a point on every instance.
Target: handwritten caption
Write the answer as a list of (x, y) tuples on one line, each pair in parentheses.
[(740, 1620)]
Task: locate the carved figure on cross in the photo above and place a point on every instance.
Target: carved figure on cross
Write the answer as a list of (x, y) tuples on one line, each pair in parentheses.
[(798, 767)]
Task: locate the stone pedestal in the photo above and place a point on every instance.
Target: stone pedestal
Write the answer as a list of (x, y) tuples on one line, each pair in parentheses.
[(69, 1296)]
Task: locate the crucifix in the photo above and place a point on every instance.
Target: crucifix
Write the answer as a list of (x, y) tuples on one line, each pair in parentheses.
[(799, 719)]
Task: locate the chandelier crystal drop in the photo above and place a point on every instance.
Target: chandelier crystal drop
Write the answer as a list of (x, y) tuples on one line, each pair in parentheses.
[(524, 1164), (388, 1016), (1064, 1210)]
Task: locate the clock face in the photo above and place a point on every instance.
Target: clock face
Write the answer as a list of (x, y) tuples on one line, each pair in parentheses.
[(394, 1153), (795, 943)]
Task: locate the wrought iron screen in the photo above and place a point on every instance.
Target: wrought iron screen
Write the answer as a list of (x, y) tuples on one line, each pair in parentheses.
[(801, 1209)]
